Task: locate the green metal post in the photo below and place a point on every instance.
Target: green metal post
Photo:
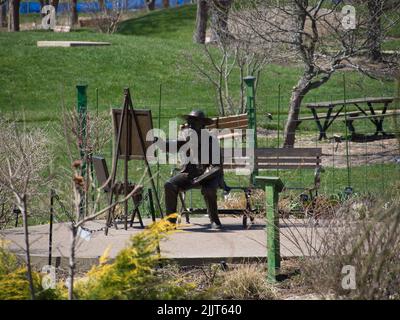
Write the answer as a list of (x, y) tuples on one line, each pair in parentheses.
[(273, 186), (251, 112), (82, 116)]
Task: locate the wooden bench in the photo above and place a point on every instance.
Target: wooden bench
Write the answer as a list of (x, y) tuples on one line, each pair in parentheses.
[(229, 124), (283, 159), (267, 159)]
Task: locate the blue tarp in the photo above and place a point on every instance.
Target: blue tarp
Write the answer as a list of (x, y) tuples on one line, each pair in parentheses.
[(34, 7)]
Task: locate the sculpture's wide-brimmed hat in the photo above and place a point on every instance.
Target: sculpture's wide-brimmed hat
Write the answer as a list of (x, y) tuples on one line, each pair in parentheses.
[(198, 115)]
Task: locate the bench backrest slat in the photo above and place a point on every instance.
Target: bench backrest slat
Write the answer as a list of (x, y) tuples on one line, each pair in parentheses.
[(240, 121)]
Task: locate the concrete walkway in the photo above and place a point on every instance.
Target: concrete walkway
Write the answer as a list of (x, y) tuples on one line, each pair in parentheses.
[(195, 244)]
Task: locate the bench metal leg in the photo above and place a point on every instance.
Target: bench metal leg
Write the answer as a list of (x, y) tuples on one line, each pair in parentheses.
[(379, 121), (322, 134), (350, 125)]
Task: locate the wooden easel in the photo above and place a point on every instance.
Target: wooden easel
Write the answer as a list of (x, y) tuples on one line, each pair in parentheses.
[(125, 131)]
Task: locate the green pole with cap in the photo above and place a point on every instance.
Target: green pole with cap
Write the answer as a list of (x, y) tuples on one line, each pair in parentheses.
[(251, 113), (272, 186), (82, 118), (82, 115)]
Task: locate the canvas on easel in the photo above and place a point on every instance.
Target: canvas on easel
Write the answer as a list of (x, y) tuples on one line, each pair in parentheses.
[(130, 127), (145, 123)]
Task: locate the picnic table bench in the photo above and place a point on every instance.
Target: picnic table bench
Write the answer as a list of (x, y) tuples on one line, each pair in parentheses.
[(366, 109)]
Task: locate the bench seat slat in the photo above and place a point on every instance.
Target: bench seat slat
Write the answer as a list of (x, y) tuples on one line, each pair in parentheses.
[(289, 160), (232, 166), (323, 116), (288, 152), (286, 166)]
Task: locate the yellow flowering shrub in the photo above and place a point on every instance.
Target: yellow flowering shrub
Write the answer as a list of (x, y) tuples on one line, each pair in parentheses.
[(133, 274), (14, 283)]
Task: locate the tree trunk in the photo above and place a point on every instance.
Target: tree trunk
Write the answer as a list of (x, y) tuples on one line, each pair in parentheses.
[(201, 22), (71, 272), (54, 3), (3, 15), (166, 3), (13, 15), (151, 4), (298, 94), (42, 4), (101, 5), (23, 208), (219, 20), (375, 11), (74, 13)]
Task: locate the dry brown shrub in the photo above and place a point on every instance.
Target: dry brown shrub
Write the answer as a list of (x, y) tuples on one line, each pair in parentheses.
[(247, 281), (361, 235)]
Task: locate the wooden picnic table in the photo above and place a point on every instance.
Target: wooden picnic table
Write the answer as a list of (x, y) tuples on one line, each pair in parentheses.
[(335, 109)]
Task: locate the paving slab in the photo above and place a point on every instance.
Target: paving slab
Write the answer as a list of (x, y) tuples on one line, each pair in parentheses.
[(67, 44), (193, 244)]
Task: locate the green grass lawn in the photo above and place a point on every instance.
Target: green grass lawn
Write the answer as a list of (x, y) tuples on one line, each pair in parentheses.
[(146, 52)]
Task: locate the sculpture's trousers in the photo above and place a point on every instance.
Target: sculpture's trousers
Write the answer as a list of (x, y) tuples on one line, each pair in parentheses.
[(181, 182)]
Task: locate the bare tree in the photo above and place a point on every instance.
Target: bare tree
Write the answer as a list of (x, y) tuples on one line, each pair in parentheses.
[(13, 15), (55, 3), (225, 63), (101, 5), (219, 11), (201, 21), (151, 4), (97, 136), (318, 33), (375, 29), (23, 157), (3, 13), (74, 13), (107, 18), (219, 18)]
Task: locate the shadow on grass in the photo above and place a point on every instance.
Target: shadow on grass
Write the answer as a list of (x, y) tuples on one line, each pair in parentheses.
[(160, 22)]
